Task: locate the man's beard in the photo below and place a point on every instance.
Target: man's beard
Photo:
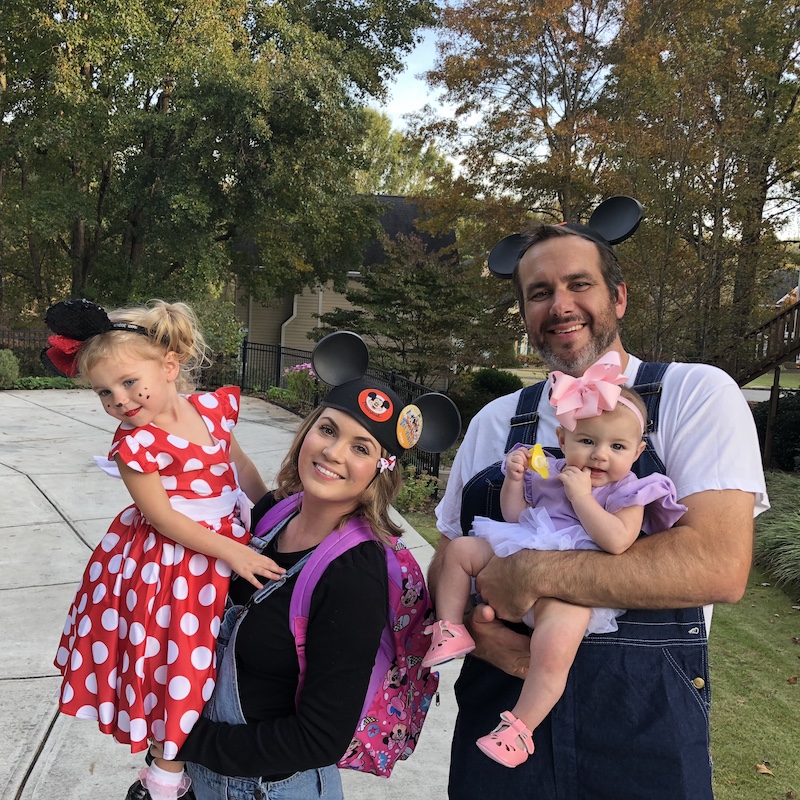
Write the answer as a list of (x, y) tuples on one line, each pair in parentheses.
[(604, 334)]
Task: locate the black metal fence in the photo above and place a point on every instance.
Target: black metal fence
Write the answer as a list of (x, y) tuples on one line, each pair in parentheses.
[(26, 346)]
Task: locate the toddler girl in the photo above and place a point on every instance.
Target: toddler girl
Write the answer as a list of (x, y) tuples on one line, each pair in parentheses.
[(593, 501), (137, 652)]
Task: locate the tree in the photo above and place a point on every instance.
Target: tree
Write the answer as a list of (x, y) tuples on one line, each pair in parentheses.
[(690, 107), (396, 163), (523, 78), (702, 107), (152, 148), (423, 313)]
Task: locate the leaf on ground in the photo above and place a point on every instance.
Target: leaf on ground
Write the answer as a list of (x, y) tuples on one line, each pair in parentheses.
[(763, 769), (792, 681)]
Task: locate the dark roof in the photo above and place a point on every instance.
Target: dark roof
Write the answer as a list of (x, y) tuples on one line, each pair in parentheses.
[(398, 218)]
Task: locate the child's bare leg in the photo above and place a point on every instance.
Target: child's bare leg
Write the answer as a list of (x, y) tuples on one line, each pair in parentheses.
[(450, 639), (463, 558), (558, 630)]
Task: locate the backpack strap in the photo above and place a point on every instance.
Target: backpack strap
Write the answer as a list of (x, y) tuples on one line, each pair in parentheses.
[(276, 514), (331, 547)]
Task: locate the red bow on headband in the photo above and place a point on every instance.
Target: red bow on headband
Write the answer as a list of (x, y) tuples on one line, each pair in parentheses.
[(62, 353), (596, 391)]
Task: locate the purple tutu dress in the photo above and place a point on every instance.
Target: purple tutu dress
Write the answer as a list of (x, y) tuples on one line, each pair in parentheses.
[(549, 522)]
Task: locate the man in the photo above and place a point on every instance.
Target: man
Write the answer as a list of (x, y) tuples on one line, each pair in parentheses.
[(633, 721)]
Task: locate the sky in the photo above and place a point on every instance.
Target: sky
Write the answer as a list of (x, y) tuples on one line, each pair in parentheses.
[(409, 92)]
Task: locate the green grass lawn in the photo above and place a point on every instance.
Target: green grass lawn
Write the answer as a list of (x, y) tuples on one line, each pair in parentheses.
[(754, 667), (790, 379)]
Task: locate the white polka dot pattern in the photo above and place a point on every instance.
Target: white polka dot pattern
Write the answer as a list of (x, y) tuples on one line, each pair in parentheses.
[(137, 649)]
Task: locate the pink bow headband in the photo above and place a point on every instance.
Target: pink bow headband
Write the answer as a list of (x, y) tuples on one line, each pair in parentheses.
[(596, 391)]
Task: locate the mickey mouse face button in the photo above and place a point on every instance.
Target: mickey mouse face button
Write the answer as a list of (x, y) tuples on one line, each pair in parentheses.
[(409, 426), (375, 405)]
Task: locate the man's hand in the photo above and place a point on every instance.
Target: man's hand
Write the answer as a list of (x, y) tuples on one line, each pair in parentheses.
[(498, 645), (502, 584)]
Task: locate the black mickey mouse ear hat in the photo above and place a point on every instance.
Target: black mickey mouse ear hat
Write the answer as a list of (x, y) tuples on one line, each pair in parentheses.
[(612, 222), (431, 422), (72, 323)]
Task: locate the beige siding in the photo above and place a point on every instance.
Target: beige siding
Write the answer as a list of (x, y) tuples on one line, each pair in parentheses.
[(307, 305), (263, 322), (289, 322)]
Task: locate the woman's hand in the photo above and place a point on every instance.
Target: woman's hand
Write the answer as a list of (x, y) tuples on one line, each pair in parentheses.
[(250, 565), (498, 645)]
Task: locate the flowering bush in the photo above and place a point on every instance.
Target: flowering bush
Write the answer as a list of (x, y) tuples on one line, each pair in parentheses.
[(302, 384)]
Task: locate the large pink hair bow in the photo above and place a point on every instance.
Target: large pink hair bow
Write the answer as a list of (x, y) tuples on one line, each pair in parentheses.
[(596, 391)]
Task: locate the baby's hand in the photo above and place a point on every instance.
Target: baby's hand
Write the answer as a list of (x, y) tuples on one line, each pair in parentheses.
[(250, 565), (516, 463), (577, 482)]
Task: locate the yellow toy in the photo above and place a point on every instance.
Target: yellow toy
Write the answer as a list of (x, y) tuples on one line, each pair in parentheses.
[(538, 461)]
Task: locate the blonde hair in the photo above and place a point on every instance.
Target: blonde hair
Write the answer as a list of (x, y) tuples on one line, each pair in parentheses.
[(171, 327), (375, 500)]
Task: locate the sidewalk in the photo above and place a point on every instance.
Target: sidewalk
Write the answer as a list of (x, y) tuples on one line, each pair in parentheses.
[(55, 506)]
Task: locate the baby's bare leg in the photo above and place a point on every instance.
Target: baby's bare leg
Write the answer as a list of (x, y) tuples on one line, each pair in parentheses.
[(558, 630), (463, 558)]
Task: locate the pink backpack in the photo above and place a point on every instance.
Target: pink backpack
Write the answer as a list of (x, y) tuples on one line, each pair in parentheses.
[(400, 690)]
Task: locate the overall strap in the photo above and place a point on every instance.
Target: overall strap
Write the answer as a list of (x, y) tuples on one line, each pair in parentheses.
[(524, 423), (648, 383)]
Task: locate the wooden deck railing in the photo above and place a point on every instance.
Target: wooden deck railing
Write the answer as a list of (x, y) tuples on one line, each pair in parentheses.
[(770, 344)]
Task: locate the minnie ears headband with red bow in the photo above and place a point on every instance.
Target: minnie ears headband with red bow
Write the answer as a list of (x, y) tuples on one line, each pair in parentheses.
[(72, 323), (431, 422), (612, 222)]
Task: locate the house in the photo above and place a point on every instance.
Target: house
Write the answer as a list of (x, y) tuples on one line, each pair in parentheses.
[(288, 322)]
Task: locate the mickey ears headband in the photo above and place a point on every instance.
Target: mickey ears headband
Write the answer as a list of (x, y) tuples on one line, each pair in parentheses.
[(431, 422), (73, 322), (612, 222)]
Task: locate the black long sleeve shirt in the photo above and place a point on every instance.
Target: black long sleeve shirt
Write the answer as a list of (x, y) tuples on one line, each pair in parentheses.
[(347, 615)]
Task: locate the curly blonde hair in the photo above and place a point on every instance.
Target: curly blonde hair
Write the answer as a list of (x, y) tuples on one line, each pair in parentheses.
[(374, 502), (171, 327)]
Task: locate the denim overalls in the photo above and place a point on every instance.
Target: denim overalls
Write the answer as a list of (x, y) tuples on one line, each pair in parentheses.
[(224, 706), (633, 721)]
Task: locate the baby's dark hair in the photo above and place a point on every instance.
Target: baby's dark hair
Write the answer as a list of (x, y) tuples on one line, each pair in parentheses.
[(171, 327)]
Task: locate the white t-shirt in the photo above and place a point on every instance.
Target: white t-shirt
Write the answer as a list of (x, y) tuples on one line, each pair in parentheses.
[(706, 438)]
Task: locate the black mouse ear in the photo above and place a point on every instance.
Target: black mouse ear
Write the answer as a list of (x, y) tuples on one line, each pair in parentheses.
[(77, 319), (617, 218), (340, 357), (505, 254), (441, 422)]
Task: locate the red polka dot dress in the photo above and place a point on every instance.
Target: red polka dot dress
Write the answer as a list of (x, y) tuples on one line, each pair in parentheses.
[(137, 653)]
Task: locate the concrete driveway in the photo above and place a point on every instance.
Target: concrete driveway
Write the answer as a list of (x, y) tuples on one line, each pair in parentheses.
[(55, 506)]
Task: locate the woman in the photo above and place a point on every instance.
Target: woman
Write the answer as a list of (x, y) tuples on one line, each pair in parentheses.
[(343, 460)]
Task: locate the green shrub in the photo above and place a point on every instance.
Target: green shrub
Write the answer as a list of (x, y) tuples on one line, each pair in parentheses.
[(9, 369), (277, 394), (302, 383), (417, 490), (786, 432), (480, 388), (32, 382), (777, 543)]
